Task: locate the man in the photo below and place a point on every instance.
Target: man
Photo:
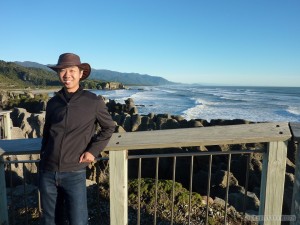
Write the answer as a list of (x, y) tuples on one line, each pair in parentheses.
[(69, 143)]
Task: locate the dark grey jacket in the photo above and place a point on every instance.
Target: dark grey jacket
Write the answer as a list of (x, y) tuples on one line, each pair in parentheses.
[(69, 130)]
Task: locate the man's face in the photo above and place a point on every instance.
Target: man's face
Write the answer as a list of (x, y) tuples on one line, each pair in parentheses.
[(70, 78)]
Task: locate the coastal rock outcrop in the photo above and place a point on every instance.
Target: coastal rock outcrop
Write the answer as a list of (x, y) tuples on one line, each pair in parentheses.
[(33, 103), (112, 85), (31, 124)]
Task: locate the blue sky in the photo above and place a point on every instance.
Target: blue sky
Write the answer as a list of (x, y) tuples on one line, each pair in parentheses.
[(227, 42)]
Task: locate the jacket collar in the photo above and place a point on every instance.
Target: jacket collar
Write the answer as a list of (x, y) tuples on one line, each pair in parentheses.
[(67, 97)]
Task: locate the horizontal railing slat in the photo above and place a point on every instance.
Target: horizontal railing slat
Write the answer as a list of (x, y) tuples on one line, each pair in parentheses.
[(215, 135), (200, 136), (20, 146)]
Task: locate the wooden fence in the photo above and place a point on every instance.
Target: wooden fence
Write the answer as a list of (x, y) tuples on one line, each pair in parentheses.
[(273, 173)]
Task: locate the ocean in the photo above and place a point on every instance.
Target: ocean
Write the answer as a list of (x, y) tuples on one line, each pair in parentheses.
[(257, 104)]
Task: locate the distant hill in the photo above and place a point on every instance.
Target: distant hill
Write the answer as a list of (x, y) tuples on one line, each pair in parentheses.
[(13, 75), (33, 65), (108, 76), (128, 78)]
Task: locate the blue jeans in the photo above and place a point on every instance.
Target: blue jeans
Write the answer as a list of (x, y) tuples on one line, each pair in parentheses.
[(59, 189)]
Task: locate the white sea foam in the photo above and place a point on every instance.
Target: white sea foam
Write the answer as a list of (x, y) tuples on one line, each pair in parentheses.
[(209, 113), (294, 110), (199, 110), (193, 113), (169, 91)]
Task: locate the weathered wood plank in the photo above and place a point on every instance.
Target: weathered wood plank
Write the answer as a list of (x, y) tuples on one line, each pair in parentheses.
[(295, 129), (118, 187), (216, 135), (272, 183)]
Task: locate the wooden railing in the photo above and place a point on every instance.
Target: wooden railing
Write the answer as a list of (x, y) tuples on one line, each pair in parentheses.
[(273, 173), (5, 123)]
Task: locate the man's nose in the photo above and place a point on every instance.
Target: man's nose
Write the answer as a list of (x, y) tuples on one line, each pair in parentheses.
[(67, 73)]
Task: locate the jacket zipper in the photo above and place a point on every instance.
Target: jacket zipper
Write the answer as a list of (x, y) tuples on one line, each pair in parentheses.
[(61, 144)]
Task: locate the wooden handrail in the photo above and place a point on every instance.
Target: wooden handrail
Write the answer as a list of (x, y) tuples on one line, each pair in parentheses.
[(200, 136)]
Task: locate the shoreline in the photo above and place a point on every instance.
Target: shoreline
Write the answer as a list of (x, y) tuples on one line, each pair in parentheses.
[(44, 91), (33, 91)]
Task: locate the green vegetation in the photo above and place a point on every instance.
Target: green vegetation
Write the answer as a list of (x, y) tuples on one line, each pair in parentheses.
[(13, 76), (164, 198), (164, 190)]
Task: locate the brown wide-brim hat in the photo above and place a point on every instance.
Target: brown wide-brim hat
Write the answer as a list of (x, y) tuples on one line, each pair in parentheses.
[(69, 59)]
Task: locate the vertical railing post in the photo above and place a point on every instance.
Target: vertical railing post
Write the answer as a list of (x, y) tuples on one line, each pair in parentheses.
[(1, 126), (6, 122), (118, 182), (295, 209), (3, 200), (272, 183)]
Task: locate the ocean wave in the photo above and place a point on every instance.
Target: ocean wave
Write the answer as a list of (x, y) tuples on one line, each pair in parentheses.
[(294, 110), (194, 112), (254, 115), (197, 110), (169, 91), (200, 101), (234, 99)]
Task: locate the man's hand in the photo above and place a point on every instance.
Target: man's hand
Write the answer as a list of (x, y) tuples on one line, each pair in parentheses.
[(86, 157)]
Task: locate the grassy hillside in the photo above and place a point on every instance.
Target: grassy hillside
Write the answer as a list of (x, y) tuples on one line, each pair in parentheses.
[(16, 76)]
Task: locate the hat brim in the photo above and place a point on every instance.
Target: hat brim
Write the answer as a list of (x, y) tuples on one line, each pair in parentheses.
[(84, 66)]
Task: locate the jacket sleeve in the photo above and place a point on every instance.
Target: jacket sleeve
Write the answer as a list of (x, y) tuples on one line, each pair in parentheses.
[(107, 128)]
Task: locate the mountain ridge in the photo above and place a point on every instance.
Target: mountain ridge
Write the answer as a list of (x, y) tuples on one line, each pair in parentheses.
[(109, 75)]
